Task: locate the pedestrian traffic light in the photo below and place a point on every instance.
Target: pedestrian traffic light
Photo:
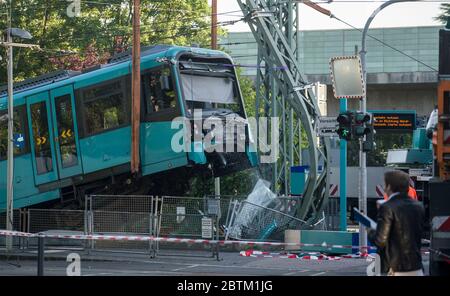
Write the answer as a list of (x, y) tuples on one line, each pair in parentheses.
[(369, 144), (360, 127), (345, 121)]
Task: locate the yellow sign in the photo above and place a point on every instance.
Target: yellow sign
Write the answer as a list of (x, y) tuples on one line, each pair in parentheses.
[(66, 134), (41, 140)]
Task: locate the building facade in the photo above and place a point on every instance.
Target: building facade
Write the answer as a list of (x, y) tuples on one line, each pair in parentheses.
[(395, 81)]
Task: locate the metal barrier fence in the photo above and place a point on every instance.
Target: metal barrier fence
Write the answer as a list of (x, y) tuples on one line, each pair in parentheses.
[(40, 220), (17, 220), (189, 217), (248, 220), (332, 214), (122, 214), (18, 224), (209, 217), (57, 221), (148, 215)]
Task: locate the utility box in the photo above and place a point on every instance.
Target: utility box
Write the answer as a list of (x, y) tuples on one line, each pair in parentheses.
[(420, 139), (292, 237), (299, 174), (348, 241)]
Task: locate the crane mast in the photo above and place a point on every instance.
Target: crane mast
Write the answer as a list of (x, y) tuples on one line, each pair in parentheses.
[(283, 92)]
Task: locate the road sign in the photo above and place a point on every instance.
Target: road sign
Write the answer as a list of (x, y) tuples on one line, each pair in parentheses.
[(41, 140), (394, 120), (19, 141), (347, 77), (181, 212), (66, 133), (207, 227), (213, 207), (327, 126)]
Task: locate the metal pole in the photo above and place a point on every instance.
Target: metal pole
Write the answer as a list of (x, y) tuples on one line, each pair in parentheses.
[(217, 187), (214, 24), (343, 174), (10, 162), (41, 245), (214, 46), (362, 155), (136, 88)]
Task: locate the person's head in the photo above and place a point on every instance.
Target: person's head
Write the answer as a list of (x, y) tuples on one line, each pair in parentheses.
[(396, 181)]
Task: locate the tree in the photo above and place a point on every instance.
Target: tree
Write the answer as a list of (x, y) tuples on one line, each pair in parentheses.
[(445, 13), (104, 27)]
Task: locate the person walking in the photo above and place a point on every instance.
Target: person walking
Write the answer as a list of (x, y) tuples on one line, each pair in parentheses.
[(399, 228)]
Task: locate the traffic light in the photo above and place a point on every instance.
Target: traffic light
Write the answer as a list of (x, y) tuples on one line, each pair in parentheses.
[(345, 121), (369, 144), (364, 127), (361, 128)]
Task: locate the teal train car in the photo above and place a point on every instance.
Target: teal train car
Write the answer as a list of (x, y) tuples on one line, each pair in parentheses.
[(72, 133)]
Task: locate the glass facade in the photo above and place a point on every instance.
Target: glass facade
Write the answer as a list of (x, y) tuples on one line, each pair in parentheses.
[(317, 47)]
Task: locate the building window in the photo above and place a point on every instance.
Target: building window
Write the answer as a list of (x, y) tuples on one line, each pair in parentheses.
[(105, 107), (41, 134), (158, 91), (64, 118)]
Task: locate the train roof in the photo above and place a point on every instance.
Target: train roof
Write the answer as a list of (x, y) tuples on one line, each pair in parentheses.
[(40, 83)]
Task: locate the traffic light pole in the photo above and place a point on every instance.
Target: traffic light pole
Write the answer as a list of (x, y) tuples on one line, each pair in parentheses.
[(362, 155), (343, 174), (10, 162)]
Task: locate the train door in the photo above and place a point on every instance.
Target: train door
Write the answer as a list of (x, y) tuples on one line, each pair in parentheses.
[(41, 138), (65, 132)]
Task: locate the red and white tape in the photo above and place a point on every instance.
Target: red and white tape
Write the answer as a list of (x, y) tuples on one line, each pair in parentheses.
[(173, 240), (302, 256)]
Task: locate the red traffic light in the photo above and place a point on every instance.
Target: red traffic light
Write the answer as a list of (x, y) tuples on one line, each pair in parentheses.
[(361, 117), (344, 118)]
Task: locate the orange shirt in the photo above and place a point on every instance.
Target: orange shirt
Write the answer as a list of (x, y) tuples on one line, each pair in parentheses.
[(411, 193)]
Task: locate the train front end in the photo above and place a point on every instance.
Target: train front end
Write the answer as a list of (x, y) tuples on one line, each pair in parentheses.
[(218, 136)]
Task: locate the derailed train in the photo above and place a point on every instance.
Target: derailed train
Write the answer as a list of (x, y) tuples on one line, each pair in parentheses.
[(72, 133)]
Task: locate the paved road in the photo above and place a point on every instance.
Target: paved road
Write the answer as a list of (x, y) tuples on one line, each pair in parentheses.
[(181, 263), (231, 265)]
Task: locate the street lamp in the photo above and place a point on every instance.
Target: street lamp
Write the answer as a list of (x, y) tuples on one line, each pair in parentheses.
[(363, 107), (8, 35)]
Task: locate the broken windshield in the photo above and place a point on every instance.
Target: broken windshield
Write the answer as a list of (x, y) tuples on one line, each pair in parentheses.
[(209, 86)]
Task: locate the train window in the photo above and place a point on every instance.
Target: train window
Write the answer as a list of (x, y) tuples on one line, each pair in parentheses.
[(42, 148), (104, 107), (158, 91), (20, 138), (67, 146)]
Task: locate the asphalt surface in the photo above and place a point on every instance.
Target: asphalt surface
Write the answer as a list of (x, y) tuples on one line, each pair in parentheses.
[(178, 263)]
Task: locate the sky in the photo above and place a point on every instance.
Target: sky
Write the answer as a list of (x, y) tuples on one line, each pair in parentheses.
[(356, 13)]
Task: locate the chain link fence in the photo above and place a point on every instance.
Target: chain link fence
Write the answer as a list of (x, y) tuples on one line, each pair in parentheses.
[(249, 220), (60, 221), (18, 225), (331, 211), (124, 215), (209, 217)]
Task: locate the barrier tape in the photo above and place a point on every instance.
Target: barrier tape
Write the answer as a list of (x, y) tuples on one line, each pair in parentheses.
[(174, 240), (304, 256), (102, 237), (440, 254)]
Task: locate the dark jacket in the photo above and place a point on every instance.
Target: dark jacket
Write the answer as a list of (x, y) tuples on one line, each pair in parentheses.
[(398, 234)]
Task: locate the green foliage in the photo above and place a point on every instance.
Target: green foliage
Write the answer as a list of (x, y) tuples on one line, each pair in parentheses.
[(239, 183), (248, 93), (384, 142), (445, 13), (103, 28)]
